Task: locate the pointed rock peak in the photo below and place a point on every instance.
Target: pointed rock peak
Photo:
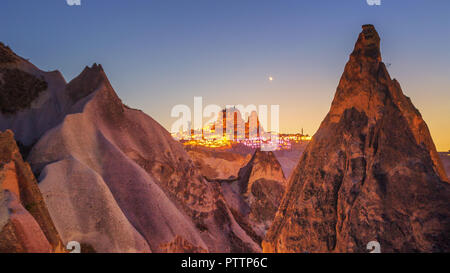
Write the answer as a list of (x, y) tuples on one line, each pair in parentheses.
[(366, 87), (257, 158), (365, 168), (97, 66), (262, 165), (368, 45), (263, 156), (89, 80), (268, 160), (95, 69), (365, 83)]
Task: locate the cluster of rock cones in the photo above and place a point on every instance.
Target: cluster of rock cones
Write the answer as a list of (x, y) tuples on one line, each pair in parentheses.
[(113, 179)]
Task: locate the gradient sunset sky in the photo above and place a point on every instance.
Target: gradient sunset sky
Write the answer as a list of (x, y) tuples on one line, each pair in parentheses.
[(161, 53)]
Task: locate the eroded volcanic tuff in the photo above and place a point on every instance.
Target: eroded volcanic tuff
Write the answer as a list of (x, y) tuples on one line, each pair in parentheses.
[(371, 172), (252, 185), (112, 178), (262, 184), (25, 223)]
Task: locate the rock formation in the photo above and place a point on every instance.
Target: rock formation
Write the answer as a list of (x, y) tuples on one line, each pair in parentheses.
[(253, 185), (25, 223), (217, 164), (262, 183), (31, 101), (371, 172), (255, 195), (113, 178), (445, 157)]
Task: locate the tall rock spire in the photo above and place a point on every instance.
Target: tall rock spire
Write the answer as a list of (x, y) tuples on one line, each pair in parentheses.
[(371, 172)]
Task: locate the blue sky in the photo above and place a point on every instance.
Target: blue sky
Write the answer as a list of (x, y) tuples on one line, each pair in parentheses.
[(161, 53)]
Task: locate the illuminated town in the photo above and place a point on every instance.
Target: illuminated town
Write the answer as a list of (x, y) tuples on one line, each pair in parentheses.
[(221, 136), (282, 142)]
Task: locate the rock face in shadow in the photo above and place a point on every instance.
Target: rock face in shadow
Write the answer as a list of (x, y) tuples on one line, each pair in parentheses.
[(254, 197), (445, 157), (371, 172), (25, 223), (262, 184), (31, 100)]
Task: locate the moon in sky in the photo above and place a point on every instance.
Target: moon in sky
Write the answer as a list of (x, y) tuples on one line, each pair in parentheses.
[(270, 78)]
